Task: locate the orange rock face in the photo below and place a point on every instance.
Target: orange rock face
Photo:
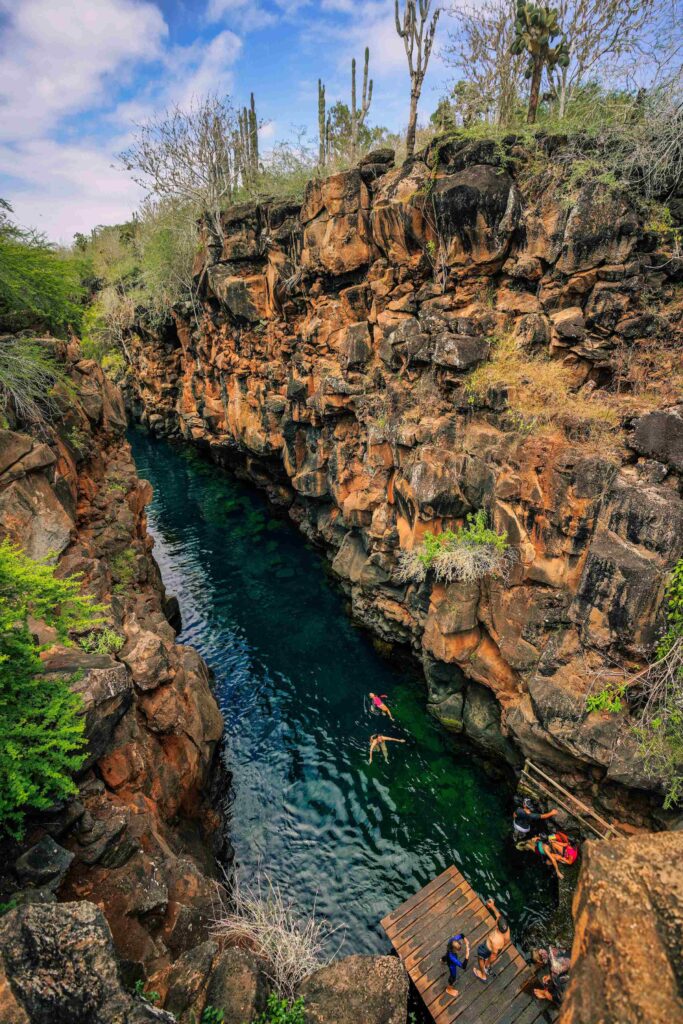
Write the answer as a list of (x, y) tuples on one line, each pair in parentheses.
[(151, 720), (350, 402)]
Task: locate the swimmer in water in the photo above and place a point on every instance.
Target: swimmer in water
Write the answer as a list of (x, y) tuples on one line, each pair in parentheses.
[(381, 742), (380, 705)]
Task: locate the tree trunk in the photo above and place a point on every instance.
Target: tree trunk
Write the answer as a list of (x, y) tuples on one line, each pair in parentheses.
[(535, 91), (412, 123)]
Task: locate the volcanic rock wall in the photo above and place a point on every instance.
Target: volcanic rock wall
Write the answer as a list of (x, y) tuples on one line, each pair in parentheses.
[(331, 362), (137, 838)]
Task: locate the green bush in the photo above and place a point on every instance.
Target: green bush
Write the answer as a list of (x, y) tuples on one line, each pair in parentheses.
[(281, 1011), (40, 287), (123, 570), (210, 1015), (28, 375), (103, 641), (468, 553), (41, 728)]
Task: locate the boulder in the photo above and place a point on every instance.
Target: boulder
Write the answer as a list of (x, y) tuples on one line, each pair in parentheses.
[(628, 918), (59, 968), (460, 352), (660, 435), (44, 864), (237, 986), (371, 989)]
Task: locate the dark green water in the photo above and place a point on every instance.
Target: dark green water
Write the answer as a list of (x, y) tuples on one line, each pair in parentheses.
[(292, 677)]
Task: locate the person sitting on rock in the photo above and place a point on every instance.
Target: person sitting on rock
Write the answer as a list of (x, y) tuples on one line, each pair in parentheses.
[(381, 742), (525, 816), (493, 945), (552, 986), (454, 960), (378, 702), (542, 845)]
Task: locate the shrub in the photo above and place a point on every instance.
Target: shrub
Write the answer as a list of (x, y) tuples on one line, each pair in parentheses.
[(467, 554), (28, 374), (291, 946), (539, 390), (210, 1015), (103, 641), (40, 287), (123, 569), (282, 1011), (41, 728)]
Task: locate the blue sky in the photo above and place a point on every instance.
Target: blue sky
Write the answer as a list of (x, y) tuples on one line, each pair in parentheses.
[(75, 75)]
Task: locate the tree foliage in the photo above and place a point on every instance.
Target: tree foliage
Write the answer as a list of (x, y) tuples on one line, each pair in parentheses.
[(535, 29), (41, 727), (40, 287)]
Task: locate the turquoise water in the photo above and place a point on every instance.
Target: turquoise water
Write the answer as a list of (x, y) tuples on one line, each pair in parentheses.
[(292, 678)]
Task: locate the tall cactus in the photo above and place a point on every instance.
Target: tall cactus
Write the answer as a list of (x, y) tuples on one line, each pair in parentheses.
[(247, 143), (535, 28), (358, 115), (253, 135), (323, 128)]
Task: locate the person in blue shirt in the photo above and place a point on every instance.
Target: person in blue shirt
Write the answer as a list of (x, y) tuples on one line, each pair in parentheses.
[(454, 958)]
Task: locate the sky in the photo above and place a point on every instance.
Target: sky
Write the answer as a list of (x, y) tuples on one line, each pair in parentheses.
[(77, 75)]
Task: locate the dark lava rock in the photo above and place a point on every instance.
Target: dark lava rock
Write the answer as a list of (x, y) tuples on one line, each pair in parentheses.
[(367, 989), (46, 863), (383, 155), (660, 435), (57, 966), (238, 986), (460, 351)]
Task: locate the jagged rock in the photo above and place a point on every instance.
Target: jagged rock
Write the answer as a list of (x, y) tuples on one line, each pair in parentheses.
[(628, 913), (458, 352), (371, 989), (59, 968), (660, 435), (237, 985), (44, 864)]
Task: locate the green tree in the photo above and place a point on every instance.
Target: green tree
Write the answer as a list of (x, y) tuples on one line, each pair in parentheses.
[(40, 287), (41, 726), (535, 28), (340, 133)]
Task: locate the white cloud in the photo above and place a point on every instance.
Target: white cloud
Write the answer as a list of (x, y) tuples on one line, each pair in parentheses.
[(57, 58), (67, 188), (246, 15)]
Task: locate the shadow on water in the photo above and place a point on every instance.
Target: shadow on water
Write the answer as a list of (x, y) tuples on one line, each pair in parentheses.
[(292, 678)]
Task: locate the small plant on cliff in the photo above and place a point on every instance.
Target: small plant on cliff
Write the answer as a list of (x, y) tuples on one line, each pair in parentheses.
[(147, 997), (282, 1011), (28, 374), (468, 554), (41, 725), (211, 1015), (123, 570), (102, 641), (290, 945)]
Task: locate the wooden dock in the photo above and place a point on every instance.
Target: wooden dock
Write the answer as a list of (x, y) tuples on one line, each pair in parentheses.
[(419, 931)]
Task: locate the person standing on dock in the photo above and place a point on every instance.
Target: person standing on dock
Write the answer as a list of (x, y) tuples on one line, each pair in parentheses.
[(493, 945), (455, 959)]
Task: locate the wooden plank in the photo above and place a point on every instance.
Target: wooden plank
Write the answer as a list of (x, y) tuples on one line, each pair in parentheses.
[(450, 908), (411, 920), (419, 930), (391, 919), (435, 972)]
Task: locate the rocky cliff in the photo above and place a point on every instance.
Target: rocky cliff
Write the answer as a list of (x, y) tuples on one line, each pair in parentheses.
[(471, 330), (137, 839)]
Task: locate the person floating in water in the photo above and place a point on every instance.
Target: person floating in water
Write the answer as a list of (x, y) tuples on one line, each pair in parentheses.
[(380, 705), (454, 959), (493, 945), (381, 742)]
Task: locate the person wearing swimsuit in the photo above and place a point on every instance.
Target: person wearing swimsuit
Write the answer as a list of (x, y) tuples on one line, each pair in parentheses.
[(381, 742), (493, 945), (378, 702)]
